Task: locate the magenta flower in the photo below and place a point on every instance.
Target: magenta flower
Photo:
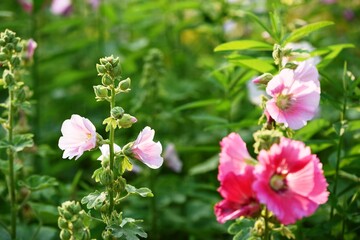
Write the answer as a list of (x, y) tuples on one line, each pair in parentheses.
[(79, 135), (239, 197), (31, 46), (146, 150), (290, 181), (232, 156), (26, 5), (295, 96), (105, 151), (61, 7)]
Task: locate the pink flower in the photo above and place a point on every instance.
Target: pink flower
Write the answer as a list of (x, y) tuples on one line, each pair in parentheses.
[(232, 156), (146, 150), (94, 3), (79, 135), (27, 5), (105, 151), (172, 159), (61, 7), (239, 198), (31, 46), (290, 181), (295, 96)]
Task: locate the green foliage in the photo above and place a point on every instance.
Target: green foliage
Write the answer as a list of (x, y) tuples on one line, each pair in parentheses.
[(38, 182), (94, 200), (127, 229)]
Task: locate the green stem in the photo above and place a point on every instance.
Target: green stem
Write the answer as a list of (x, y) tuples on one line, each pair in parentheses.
[(10, 152), (111, 147), (266, 219)]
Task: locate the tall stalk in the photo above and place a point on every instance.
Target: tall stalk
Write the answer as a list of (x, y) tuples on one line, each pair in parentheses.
[(111, 147)]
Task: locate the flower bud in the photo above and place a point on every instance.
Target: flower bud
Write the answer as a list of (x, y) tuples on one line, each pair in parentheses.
[(117, 112), (124, 85), (126, 121), (101, 92), (108, 67), (263, 79), (101, 69), (291, 65), (106, 177), (65, 234), (15, 61), (3, 56), (106, 80), (8, 78), (277, 54), (21, 95), (264, 139), (62, 223)]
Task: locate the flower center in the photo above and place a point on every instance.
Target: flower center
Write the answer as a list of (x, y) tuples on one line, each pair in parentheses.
[(278, 182), (283, 101)]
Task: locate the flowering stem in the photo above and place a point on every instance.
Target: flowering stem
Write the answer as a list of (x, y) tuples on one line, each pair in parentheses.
[(111, 147), (266, 219), (10, 153)]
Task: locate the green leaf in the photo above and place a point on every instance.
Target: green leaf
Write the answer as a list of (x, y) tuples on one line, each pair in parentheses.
[(127, 229), (143, 192), (110, 122), (334, 51), (22, 141), (257, 64), (4, 166), (46, 213), (38, 182), (242, 229), (206, 166), (97, 173), (4, 144), (244, 45), (258, 21), (306, 30), (94, 200), (198, 104), (4, 234)]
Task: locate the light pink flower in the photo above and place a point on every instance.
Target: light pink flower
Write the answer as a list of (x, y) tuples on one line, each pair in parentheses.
[(31, 46), (239, 197), (79, 135), (94, 3), (290, 181), (306, 49), (232, 156), (146, 150), (295, 96), (105, 151), (172, 159), (61, 7)]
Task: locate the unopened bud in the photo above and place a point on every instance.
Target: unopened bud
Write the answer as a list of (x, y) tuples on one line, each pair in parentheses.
[(277, 54), (117, 112), (108, 66), (15, 61), (106, 80), (62, 223), (126, 121), (124, 85), (101, 92), (8, 77), (65, 234), (106, 177), (291, 65), (3, 56), (263, 79), (21, 95), (101, 69)]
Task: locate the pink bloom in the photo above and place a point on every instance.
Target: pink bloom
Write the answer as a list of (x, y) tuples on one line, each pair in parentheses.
[(61, 7), (94, 3), (79, 135), (146, 150), (27, 5), (290, 181), (105, 151), (232, 156), (31, 46), (239, 198), (295, 96), (172, 159)]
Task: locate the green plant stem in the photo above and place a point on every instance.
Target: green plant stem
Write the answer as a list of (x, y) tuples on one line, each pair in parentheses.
[(10, 152), (266, 219), (111, 147)]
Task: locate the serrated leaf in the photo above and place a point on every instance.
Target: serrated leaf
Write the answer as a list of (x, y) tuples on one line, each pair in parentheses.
[(97, 173), (143, 192), (306, 30), (110, 122), (4, 166), (47, 213), (127, 229), (94, 200), (22, 141), (38, 182), (244, 45), (240, 224)]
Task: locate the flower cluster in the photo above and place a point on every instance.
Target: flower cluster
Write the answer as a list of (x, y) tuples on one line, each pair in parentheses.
[(285, 173)]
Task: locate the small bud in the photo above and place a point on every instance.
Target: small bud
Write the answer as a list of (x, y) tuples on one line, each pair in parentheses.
[(8, 78), (15, 61), (101, 92), (18, 48), (126, 121), (3, 56), (291, 65), (62, 223), (100, 68), (117, 112), (65, 234), (263, 79), (106, 177), (106, 80), (124, 85), (21, 95), (264, 139), (108, 66), (277, 54), (75, 207)]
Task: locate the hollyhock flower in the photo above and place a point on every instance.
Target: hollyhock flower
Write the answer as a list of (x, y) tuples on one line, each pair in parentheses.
[(31, 46), (233, 155), (26, 5), (146, 150), (79, 135), (239, 198), (254, 93), (105, 151), (61, 7), (172, 159), (290, 181), (295, 96), (94, 3)]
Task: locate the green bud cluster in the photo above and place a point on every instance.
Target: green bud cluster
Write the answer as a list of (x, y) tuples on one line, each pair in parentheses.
[(264, 139), (153, 69), (10, 45), (71, 221)]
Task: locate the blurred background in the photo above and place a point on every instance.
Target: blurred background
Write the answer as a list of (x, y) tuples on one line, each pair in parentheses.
[(184, 90)]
